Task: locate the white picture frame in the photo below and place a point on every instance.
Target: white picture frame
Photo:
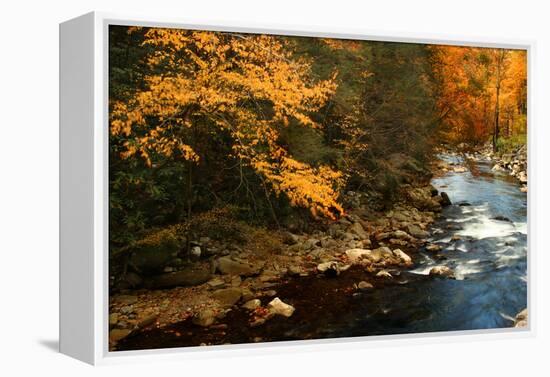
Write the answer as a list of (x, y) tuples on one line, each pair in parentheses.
[(84, 190)]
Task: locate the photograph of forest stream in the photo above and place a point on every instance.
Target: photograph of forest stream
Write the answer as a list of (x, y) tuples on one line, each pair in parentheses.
[(269, 188)]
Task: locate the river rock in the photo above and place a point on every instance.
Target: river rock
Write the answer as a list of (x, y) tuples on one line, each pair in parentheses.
[(382, 236), (290, 238), (400, 216), (204, 318), (195, 252), (445, 200), (130, 280), (395, 241), (403, 257), (227, 296), (181, 278), (113, 319), (228, 266), (356, 255), (380, 253), (442, 271), (147, 321), (363, 285), (421, 198), (151, 260), (310, 243), (126, 299), (400, 235), (216, 283), (294, 270), (433, 248), (460, 169), (521, 319), (278, 307), (127, 309), (331, 268), (357, 229), (252, 304), (416, 231), (384, 274), (246, 294), (118, 334)]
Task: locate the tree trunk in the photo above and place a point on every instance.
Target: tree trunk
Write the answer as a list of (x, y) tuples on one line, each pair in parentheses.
[(189, 202), (500, 61)]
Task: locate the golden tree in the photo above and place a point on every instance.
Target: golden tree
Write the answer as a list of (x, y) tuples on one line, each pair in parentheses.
[(249, 86)]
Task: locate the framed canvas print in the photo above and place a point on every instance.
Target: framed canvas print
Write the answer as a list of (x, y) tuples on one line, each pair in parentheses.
[(233, 188)]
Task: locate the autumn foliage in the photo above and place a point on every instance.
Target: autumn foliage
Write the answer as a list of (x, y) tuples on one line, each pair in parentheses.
[(282, 127), (482, 92), (247, 86)]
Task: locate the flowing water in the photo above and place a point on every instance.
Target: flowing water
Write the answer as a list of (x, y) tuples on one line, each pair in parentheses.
[(483, 236), (489, 215)]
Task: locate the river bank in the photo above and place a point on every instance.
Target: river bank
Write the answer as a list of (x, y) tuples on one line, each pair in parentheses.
[(377, 244), (248, 295)]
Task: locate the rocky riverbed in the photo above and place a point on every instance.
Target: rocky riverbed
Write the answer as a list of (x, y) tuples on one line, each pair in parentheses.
[(376, 243), (248, 293)]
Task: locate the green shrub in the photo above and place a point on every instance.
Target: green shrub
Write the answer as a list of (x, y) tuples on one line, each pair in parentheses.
[(511, 144)]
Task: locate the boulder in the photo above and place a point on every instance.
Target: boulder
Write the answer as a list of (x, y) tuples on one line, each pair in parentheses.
[(204, 318), (118, 334), (246, 294), (445, 200), (357, 229), (278, 307), (311, 243), (126, 299), (400, 216), (421, 198), (227, 296), (330, 269), (294, 270), (228, 266), (356, 255), (382, 236), (380, 254), (403, 257), (400, 235), (130, 280), (181, 278), (150, 260), (416, 231), (442, 271), (113, 319), (147, 321), (395, 241), (290, 238)]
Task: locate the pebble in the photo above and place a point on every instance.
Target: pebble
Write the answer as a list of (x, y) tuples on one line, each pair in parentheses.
[(363, 285)]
